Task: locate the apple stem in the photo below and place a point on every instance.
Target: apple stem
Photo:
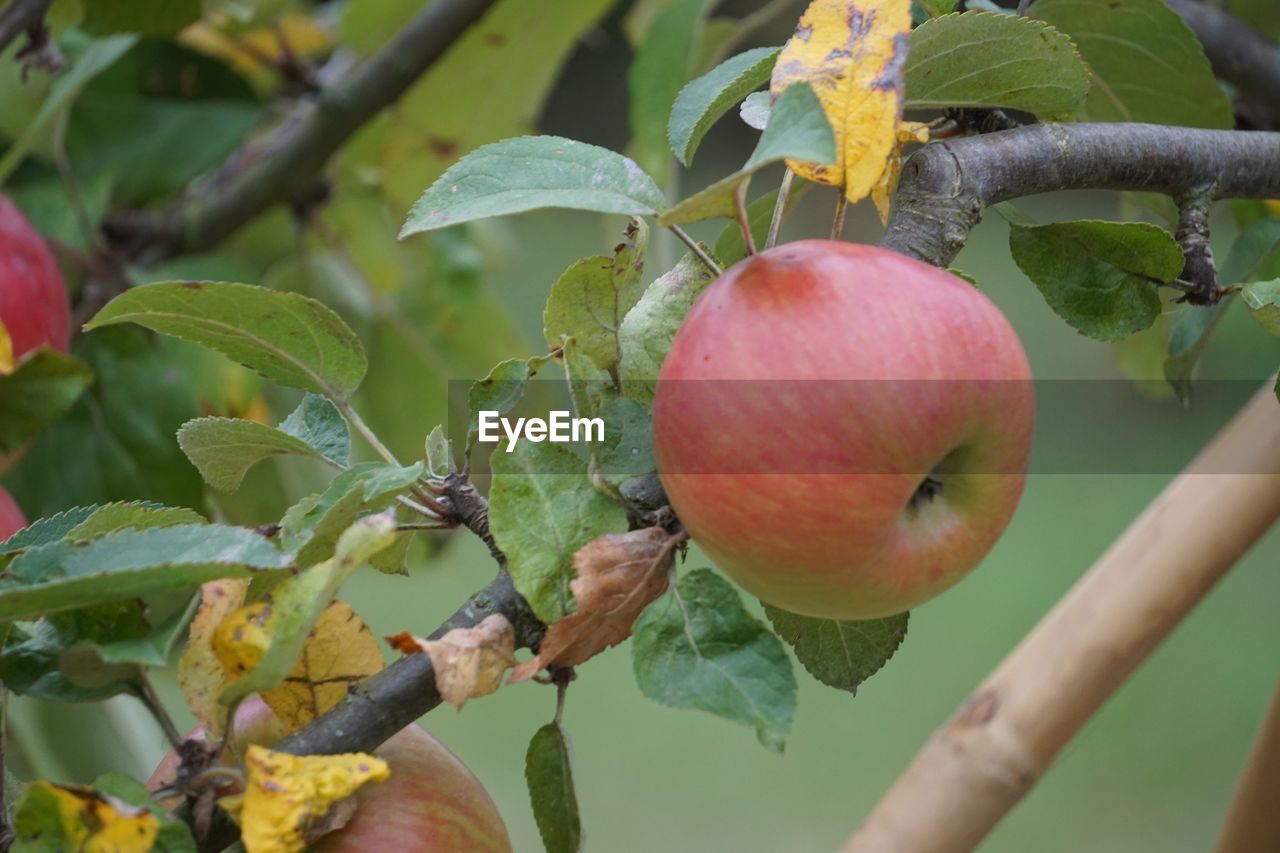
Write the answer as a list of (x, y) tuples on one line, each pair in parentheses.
[(698, 252), (740, 207), (837, 224), (779, 209)]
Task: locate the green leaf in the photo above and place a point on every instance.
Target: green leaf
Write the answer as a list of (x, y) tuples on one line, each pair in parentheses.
[(30, 666), (1262, 298), (297, 603), (650, 326), (491, 84), (224, 449), (934, 8), (542, 509), (439, 452), (157, 647), (1145, 62), (319, 423), (698, 647), (840, 654), (980, 59), (87, 63), (311, 528), (702, 102), (287, 337), (533, 172), (500, 390), (548, 768), (589, 300), (1187, 340), (663, 63), (131, 563), (45, 385), (798, 129), (42, 531), (132, 515), (1254, 248), (626, 450), (1100, 277), (120, 432), (755, 110), (147, 17)]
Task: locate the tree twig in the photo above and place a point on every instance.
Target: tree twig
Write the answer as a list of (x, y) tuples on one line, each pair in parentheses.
[(1199, 270), (20, 16), (946, 185), (271, 172), (1254, 822), (975, 768), (1241, 55)]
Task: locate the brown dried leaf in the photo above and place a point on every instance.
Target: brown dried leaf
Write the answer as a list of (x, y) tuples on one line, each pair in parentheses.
[(619, 574), (468, 662), (340, 651)]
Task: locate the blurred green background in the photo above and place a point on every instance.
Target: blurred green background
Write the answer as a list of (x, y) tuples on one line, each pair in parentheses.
[(1152, 772)]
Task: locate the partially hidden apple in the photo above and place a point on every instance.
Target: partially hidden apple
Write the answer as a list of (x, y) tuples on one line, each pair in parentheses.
[(843, 430), (11, 518), (432, 802), (34, 307)]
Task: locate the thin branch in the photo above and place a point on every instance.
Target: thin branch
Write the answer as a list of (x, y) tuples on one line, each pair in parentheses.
[(1199, 270), (946, 185), (20, 16), (780, 209), (699, 252), (273, 171), (1254, 822), (837, 222), (744, 221), (1241, 55), (974, 769)]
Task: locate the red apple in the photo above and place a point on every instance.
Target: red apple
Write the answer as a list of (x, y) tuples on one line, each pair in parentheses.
[(11, 518), (843, 430), (33, 298), (432, 803)]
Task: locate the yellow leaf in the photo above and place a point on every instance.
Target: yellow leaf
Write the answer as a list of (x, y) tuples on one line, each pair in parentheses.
[(882, 192), (289, 800), (1273, 206), (251, 51), (200, 673), (339, 652), (6, 352), (84, 820), (852, 53), (242, 638), (467, 662)]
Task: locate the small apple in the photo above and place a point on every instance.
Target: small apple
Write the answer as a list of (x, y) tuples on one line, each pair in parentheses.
[(843, 430), (432, 803), (34, 307), (11, 518)]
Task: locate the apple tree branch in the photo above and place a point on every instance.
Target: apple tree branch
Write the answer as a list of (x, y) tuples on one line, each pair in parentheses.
[(946, 185), (274, 171)]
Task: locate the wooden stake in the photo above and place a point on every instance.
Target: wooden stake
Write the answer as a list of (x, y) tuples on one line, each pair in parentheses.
[(1253, 823), (975, 768)]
